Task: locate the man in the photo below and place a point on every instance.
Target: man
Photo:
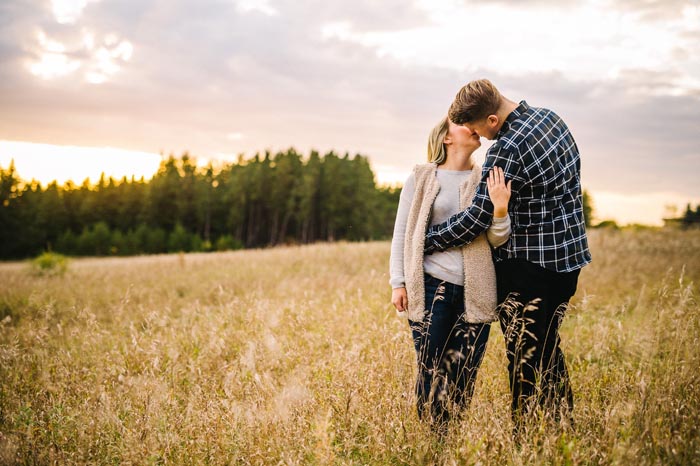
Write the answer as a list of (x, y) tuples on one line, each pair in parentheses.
[(537, 269)]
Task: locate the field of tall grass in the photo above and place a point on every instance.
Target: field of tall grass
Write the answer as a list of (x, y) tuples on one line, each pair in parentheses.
[(294, 355)]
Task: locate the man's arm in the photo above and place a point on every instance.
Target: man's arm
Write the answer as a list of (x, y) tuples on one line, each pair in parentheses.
[(462, 228)]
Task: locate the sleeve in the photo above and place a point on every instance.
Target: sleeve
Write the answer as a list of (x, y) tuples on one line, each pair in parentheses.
[(499, 231), (462, 228), (398, 239)]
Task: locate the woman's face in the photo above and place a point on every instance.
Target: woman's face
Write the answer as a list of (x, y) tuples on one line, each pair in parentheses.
[(461, 137)]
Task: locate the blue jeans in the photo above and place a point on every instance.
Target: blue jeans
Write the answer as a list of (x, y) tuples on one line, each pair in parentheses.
[(449, 352)]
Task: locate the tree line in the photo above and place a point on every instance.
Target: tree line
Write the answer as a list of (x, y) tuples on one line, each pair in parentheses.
[(263, 201)]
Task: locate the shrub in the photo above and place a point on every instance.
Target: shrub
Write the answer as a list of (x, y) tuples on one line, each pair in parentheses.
[(86, 242), (195, 242), (50, 263), (157, 241), (226, 242), (67, 243), (117, 244), (179, 240), (102, 237), (150, 240)]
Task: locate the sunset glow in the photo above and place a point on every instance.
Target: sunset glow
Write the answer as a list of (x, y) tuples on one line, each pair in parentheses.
[(46, 163)]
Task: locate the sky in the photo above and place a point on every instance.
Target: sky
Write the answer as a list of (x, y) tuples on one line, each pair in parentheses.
[(113, 85)]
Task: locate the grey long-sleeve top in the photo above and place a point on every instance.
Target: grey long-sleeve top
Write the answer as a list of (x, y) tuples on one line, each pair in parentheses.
[(446, 265)]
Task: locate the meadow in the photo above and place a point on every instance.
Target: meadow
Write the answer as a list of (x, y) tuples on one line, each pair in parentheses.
[(294, 355)]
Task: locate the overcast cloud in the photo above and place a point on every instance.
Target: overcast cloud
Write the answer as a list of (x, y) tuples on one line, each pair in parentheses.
[(222, 77)]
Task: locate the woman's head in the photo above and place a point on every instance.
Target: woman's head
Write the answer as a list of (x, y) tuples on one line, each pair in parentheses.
[(447, 138)]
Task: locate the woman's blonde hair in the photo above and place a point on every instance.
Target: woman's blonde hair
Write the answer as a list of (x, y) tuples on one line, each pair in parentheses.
[(436, 146)]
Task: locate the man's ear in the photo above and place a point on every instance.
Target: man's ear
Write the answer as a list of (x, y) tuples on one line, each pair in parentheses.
[(492, 120)]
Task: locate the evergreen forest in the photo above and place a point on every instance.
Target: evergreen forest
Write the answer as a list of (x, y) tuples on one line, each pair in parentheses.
[(270, 199)]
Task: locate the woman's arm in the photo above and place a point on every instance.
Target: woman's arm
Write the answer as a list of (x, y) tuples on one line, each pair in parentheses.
[(396, 269), (499, 231), (499, 193)]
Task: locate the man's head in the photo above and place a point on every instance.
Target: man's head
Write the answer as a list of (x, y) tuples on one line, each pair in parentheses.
[(476, 106)]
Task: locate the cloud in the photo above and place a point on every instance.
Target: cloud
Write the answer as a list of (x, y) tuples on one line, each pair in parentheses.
[(219, 69), (68, 11), (96, 62), (362, 77), (658, 10), (650, 10), (465, 38), (262, 6), (51, 42)]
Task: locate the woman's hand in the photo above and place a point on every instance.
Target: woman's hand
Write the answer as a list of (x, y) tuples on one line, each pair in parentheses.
[(399, 299), (499, 191)]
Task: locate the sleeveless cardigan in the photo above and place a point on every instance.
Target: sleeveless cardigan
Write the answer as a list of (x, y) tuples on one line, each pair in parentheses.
[(479, 271)]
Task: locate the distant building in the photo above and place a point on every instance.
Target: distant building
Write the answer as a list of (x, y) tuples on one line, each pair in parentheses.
[(689, 219), (673, 222)]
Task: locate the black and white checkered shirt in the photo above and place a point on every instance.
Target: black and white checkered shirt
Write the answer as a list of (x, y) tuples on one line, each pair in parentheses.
[(538, 153)]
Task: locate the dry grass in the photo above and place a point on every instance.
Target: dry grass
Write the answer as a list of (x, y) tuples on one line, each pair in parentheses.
[(294, 356)]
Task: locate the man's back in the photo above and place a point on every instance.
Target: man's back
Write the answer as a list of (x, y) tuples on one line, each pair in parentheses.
[(546, 208)]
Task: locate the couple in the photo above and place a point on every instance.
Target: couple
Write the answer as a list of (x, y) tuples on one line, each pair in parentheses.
[(504, 242)]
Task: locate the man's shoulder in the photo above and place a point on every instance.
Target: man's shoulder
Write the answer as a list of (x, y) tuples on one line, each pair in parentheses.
[(529, 125)]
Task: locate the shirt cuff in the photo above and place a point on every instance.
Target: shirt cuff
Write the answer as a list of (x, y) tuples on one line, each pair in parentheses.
[(397, 283)]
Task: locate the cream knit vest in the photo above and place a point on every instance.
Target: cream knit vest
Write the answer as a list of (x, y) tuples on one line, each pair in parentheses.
[(479, 271)]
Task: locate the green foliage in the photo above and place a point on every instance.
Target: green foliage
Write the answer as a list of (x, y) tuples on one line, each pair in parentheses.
[(101, 238), (227, 242), (150, 240), (691, 218), (67, 242), (49, 263), (267, 200), (179, 240)]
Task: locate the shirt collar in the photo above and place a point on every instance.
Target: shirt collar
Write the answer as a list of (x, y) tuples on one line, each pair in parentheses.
[(512, 116)]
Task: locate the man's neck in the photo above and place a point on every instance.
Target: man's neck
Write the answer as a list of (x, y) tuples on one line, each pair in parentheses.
[(505, 109)]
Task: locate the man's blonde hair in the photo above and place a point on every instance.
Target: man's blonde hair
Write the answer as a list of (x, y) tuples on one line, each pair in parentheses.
[(474, 102), (436, 145)]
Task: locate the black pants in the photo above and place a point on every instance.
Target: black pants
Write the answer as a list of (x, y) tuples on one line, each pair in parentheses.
[(532, 304)]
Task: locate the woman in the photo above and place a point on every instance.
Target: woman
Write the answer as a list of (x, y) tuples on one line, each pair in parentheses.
[(448, 297)]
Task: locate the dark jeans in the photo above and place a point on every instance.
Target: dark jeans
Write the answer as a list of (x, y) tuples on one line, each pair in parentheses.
[(449, 351), (533, 301)]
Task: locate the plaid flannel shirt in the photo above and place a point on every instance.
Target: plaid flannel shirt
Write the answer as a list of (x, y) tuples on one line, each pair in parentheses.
[(539, 155)]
